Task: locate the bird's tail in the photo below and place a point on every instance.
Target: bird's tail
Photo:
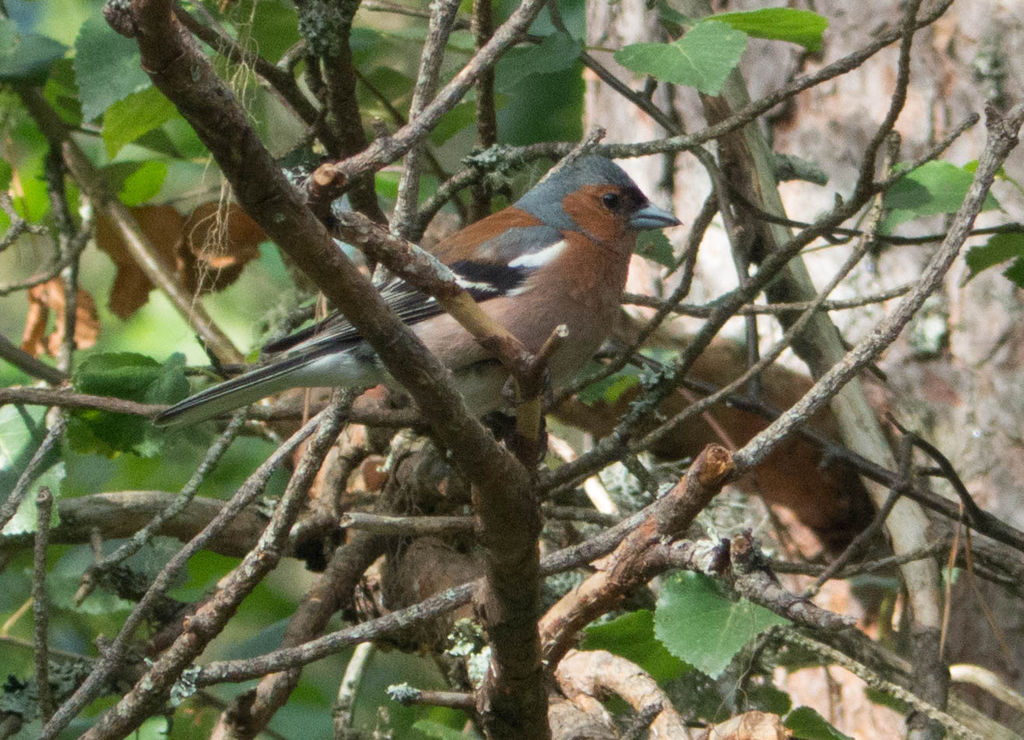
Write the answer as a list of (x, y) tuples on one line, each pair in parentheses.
[(289, 372)]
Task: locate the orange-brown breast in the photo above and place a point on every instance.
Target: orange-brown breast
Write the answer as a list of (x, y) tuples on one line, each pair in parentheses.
[(592, 273)]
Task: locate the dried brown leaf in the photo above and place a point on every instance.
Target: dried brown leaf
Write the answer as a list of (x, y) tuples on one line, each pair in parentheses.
[(217, 243), (162, 226), (50, 296)]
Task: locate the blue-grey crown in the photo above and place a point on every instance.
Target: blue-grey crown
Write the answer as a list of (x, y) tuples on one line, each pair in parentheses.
[(544, 200)]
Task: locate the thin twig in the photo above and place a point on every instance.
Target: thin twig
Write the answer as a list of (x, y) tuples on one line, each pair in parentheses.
[(141, 538), (973, 511), (278, 78), (705, 310), (482, 27), (345, 704), (407, 526), (407, 696), (41, 603), (442, 19), (875, 680), (1002, 139), (114, 653), (35, 466), (28, 364)]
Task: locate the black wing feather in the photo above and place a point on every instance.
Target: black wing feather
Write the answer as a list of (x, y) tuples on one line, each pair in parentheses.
[(410, 304)]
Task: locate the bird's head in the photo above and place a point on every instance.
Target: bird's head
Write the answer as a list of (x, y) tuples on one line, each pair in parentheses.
[(595, 196)]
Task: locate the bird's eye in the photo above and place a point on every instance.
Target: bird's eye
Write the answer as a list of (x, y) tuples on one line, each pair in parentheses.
[(611, 201)]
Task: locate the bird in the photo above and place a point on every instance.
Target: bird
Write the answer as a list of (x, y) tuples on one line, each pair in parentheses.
[(558, 255)]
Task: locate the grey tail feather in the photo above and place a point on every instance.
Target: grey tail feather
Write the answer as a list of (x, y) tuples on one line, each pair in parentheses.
[(232, 394)]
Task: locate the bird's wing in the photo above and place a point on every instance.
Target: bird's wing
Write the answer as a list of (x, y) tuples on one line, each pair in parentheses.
[(482, 280)]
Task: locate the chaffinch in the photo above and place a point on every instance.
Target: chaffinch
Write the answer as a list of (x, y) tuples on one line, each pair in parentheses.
[(559, 255)]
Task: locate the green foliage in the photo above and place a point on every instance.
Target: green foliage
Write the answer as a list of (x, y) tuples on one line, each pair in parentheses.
[(999, 249), (107, 66), (698, 622), (132, 116), (61, 91), (765, 697), (883, 699), (26, 57), (655, 246), (133, 377), (457, 119), (611, 388), (64, 578), (27, 159), (555, 53), (703, 58), (931, 189), (434, 729), (807, 724), (20, 435), (559, 94), (143, 183), (801, 27), (632, 637), (26, 519), (273, 28)]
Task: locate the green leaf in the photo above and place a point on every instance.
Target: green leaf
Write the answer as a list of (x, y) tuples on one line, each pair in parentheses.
[(144, 183), (274, 27), (655, 246), (363, 42), (998, 249), (133, 377), (26, 57), (386, 184), (933, 188), (1015, 273), (132, 116), (107, 65), (64, 578), (26, 519), (61, 91), (21, 431), (700, 624), (807, 724), (455, 120), (883, 699), (632, 637), (766, 697), (33, 203), (703, 58), (673, 16), (434, 729), (611, 388), (779, 24), (461, 41), (555, 53)]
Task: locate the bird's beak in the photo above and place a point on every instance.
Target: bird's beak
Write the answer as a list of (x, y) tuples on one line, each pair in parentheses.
[(652, 217)]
